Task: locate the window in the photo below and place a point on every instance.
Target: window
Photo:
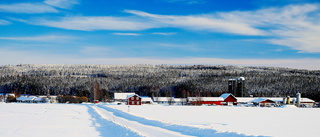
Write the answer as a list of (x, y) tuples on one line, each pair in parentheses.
[(132, 98), (137, 102), (137, 98)]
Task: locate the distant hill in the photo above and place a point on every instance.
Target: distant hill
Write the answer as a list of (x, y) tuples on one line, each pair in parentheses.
[(157, 80)]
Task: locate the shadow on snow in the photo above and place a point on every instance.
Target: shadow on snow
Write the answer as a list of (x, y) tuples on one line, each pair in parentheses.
[(108, 128), (186, 130)]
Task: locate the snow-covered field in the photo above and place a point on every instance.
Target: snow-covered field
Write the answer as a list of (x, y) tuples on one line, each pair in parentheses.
[(30, 120), (250, 121), (54, 120)]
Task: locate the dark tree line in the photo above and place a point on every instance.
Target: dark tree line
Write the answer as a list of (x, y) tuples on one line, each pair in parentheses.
[(159, 80)]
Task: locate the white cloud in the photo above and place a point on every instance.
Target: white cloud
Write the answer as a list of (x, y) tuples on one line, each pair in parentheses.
[(29, 8), (126, 34), (4, 22), (95, 23), (164, 33), (38, 38), (200, 22), (292, 26), (64, 4)]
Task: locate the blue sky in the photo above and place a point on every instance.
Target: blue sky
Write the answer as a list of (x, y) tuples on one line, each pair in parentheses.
[(282, 33)]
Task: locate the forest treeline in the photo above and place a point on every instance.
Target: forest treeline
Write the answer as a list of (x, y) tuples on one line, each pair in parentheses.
[(157, 80)]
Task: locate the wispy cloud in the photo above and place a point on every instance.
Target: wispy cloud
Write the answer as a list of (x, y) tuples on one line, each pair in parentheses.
[(95, 23), (293, 26), (4, 22), (38, 38), (126, 34), (164, 33), (200, 22), (64, 4), (29, 8)]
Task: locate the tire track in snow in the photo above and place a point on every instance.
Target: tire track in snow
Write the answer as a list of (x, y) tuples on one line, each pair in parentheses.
[(187, 130), (144, 130), (108, 128)]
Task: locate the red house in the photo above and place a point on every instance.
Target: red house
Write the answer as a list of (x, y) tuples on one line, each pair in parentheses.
[(229, 99), (134, 99)]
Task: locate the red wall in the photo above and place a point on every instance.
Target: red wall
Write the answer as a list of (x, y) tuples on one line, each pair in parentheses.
[(230, 99), (209, 102), (135, 100)]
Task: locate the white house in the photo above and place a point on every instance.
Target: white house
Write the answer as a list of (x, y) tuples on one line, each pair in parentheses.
[(122, 97)]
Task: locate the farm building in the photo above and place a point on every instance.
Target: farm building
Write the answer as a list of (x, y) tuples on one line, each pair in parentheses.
[(229, 99), (134, 99), (170, 101), (263, 102), (26, 99), (41, 99), (122, 97), (205, 100), (180, 101), (146, 100), (164, 100)]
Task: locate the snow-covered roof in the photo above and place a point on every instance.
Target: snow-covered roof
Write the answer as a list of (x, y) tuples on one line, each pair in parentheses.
[(257, 100), (10, 95), (241, 78), (162, 99), (146, 99), (180, 99), (40, 98), (225, 95), (244, 99), (306, 100), (122, 95), (26, 98), (206, 98), (276, 99), (132, 95)]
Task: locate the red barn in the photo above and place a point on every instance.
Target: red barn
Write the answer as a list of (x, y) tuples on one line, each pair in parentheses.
[(134, 99), (229, 99), (263, 102)]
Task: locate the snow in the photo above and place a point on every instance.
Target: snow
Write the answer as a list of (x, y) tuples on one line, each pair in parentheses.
[(256, 121), (52, 120)]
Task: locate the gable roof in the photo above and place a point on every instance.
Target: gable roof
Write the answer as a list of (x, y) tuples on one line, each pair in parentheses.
[(133, 95), (225, 95), (258, 100)]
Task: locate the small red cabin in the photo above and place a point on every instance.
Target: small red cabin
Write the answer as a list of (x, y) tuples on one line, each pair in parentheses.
[(229, 99), (134, 99)]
